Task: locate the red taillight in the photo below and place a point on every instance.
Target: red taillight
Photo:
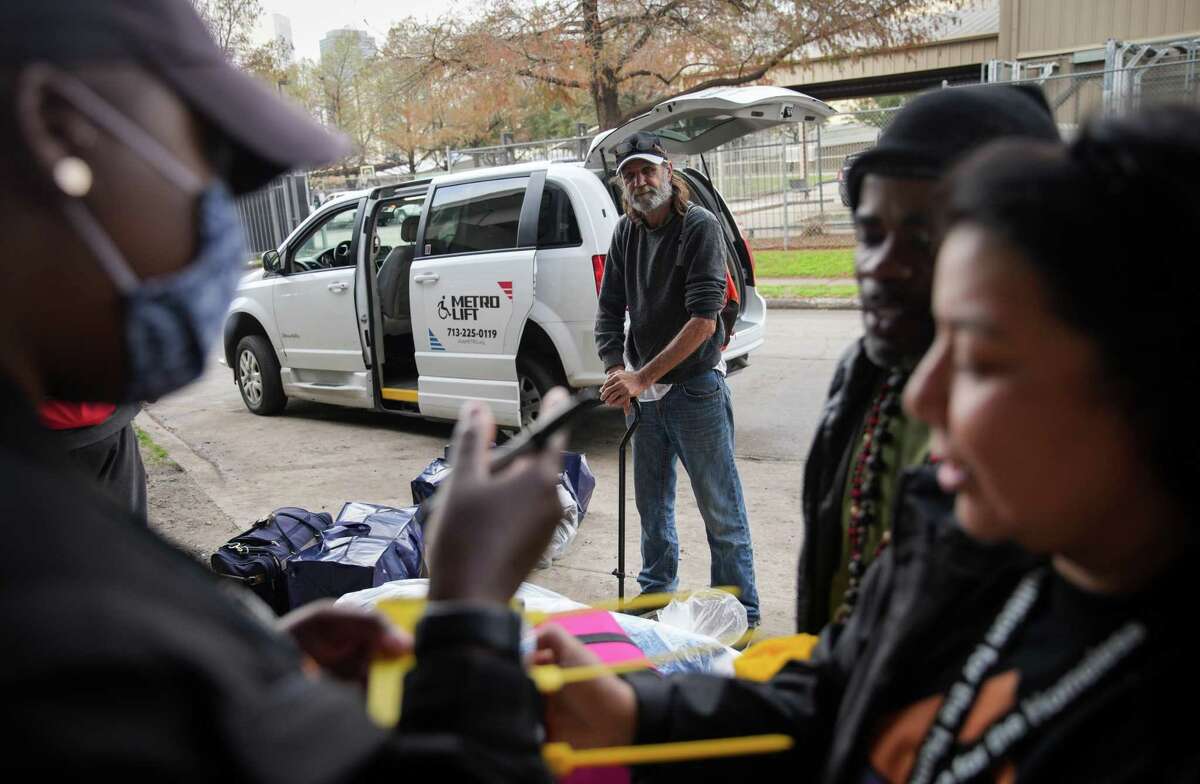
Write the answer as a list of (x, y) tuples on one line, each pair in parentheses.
[(598, 270)]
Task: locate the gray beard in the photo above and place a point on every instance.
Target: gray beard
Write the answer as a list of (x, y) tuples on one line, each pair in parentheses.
[(649, 202)]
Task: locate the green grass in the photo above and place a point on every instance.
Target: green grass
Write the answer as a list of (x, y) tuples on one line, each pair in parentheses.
[(792, 291), (153, 451), (823, 263)]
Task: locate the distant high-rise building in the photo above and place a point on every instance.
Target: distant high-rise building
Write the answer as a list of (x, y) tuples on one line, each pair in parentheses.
[(275, 27), (359, 38)]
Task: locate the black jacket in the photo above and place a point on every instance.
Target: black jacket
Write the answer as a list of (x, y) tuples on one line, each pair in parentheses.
[(854, 382), (917, 596), (123, 656)]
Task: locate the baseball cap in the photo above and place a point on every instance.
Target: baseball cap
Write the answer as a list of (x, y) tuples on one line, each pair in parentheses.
[(268, 135), (937, 128), (640, 146)]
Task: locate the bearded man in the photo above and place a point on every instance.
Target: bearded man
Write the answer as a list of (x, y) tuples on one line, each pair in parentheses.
[(666, 267)]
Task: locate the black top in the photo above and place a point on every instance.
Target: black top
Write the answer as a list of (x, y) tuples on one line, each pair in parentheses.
[(925, 601), (122, 655), (1064, 624), (664, 276)]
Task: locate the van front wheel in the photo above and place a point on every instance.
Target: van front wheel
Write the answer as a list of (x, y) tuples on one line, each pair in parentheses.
[(258, 380), (534, 380)]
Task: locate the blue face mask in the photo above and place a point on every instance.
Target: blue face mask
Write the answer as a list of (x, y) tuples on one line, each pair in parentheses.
[(170, 322)]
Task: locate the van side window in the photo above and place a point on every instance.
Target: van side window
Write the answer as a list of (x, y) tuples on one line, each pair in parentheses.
[(475, 216), (328, 245), (557, 227)]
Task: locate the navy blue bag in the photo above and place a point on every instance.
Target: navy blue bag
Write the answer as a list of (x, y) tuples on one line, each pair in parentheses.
[(429, 480), (257, 557), (386, 545), (579, 480)]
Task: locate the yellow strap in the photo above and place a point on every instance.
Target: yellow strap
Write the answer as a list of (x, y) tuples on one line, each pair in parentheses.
[(561, 758)]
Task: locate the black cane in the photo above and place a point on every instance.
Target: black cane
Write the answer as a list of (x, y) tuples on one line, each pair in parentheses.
[(619, 572)]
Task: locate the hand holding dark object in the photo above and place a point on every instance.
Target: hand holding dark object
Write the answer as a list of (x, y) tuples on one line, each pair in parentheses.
[(593, 713), (344, 640), (622, 386), (489, 530)]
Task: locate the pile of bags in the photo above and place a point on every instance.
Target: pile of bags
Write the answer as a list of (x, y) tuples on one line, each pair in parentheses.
[(294, 556), (671, 648)]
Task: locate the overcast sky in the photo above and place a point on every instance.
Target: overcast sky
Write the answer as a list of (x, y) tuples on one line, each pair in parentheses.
[(312, 19)]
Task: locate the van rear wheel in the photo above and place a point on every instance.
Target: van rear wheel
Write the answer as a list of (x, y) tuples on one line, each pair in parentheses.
[(257, 373), (534, 380)]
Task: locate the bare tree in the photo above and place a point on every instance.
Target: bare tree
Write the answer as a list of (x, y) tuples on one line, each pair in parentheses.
[(231, 23), (627, 55)]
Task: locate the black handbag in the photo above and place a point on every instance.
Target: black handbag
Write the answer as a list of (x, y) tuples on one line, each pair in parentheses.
[(258, 557)]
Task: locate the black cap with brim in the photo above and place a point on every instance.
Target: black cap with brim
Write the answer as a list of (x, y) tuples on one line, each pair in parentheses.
[(268, 134), (932, 132)]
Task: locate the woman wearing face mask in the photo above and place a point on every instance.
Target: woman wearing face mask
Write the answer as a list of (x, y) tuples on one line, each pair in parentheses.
[(124, 134), (1041, 637)]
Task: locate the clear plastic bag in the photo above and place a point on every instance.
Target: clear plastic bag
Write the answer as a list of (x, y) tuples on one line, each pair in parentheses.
[(710, 613), (676, 650)]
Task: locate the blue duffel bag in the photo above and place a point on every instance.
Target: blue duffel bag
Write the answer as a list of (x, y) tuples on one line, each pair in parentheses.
[(386, 545), (257, 557)]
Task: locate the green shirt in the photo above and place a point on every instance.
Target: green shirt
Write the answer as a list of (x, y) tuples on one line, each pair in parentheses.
[(910, 441)]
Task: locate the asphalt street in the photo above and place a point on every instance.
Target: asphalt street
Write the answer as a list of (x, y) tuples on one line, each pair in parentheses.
[(318, 457)]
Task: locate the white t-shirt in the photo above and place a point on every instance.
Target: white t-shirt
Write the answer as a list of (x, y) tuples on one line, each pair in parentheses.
[(659, 391)]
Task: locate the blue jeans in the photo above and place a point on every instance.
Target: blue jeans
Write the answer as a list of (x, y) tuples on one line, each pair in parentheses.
[(693, 422)]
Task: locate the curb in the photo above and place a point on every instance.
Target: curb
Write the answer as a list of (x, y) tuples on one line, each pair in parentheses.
[(202, 471), (817, 303)]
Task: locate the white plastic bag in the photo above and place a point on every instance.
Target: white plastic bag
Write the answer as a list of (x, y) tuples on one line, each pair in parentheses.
[(564, 532), (710, 613)]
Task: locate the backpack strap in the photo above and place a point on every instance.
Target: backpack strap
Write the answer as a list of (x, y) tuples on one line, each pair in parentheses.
[(680, 243)]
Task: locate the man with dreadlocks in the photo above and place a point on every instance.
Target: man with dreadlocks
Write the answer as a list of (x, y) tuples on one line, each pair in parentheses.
[(667, 267)]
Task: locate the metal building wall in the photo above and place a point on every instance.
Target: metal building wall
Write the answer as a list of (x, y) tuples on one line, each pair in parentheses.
[(1043, 28)]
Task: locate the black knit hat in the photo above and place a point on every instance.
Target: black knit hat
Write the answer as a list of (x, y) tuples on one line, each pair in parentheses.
[(932, 132), (268, 134)]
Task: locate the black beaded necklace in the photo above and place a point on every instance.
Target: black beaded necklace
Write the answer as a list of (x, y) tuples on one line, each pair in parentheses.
[(866, 487)]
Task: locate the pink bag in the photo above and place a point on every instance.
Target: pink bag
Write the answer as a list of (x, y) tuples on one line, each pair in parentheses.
[(603, 636)]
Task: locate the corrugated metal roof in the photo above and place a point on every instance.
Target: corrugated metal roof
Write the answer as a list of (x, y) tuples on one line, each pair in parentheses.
[(981, 17)]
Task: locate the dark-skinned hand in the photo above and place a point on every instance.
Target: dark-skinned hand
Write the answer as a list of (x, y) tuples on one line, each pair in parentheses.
[(489, 530), (344, 640)]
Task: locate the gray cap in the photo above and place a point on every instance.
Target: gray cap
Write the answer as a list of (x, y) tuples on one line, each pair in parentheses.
[(268, 134)]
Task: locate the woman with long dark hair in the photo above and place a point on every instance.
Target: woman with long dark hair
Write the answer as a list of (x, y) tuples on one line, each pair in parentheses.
[(1037, 633)]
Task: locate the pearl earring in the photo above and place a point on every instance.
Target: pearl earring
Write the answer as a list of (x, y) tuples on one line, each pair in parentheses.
[(73, 176)]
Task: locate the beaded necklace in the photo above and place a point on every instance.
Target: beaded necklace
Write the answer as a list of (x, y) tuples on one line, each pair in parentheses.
[(865, 487)]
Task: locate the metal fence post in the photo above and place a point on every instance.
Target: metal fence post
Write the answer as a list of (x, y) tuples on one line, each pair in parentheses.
[(820, 176), (786, 223)]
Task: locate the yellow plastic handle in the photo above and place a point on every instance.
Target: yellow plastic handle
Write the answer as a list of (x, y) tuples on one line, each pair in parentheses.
[(385, 681), (561, 758)]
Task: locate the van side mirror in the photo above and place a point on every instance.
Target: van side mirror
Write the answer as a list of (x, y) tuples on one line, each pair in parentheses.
[(271, 262)]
